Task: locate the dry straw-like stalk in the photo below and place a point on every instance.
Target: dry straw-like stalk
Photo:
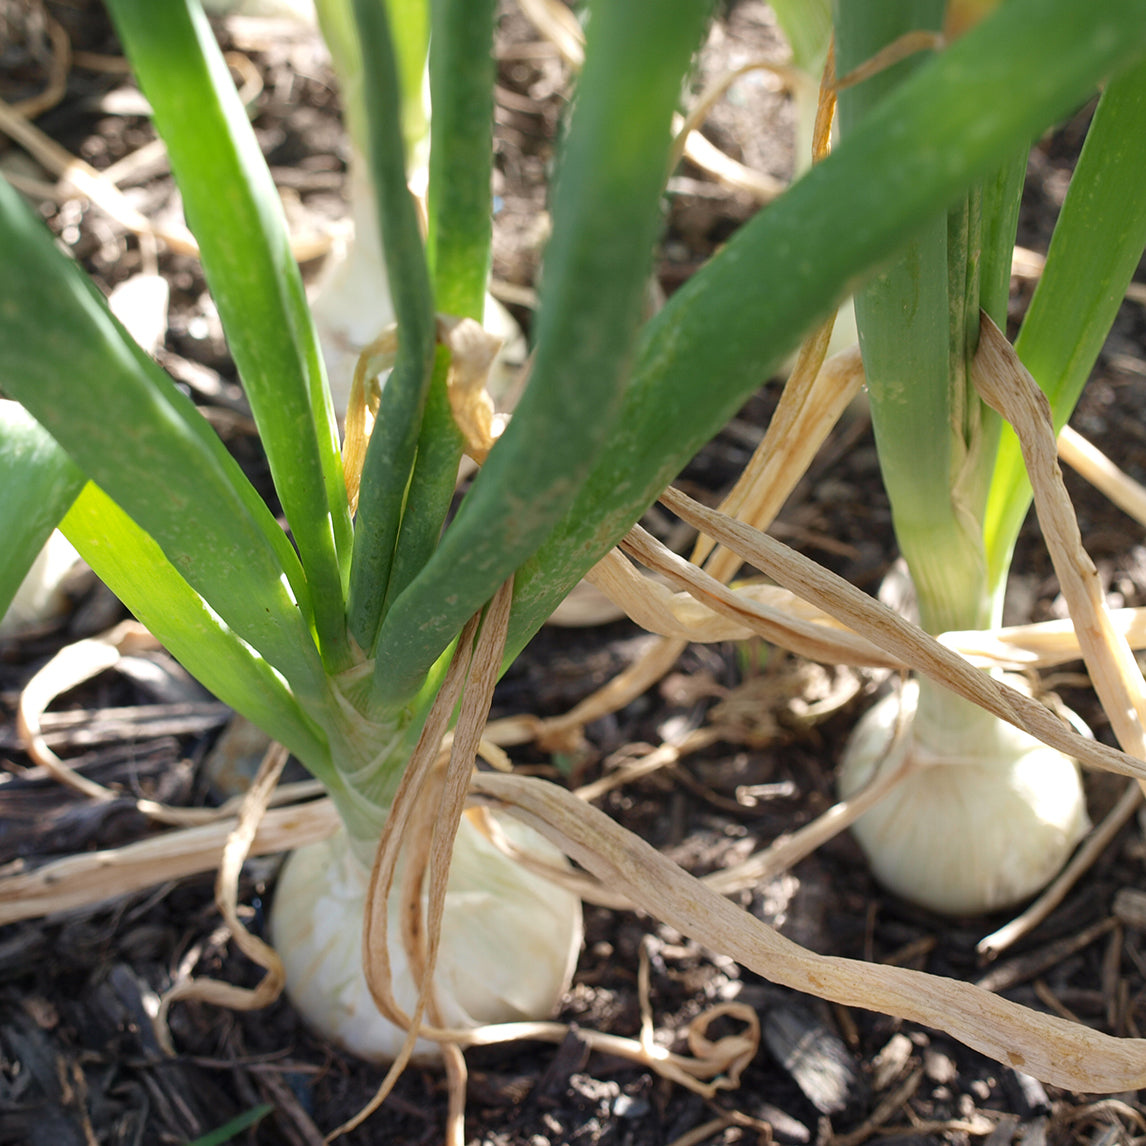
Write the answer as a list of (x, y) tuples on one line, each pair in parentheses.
[(1045, 1046)]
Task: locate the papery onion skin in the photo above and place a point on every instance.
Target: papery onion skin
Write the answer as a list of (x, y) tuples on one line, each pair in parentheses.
[(510, 941), (979, 827)]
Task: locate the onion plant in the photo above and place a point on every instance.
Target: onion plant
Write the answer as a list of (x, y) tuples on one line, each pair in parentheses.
[(336, 636), (956, 482)]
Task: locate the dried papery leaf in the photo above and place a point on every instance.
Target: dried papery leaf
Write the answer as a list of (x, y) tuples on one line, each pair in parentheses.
[(815, 641), (585, 606), (562, 875), (560, 732), (88, 181), (791, 80), (698, 1042), (793, 623), (362, 407), (235, 852), (375, 929), (702, 152), (1039, 645), (815, 395), (719, 1062), (825, 107), (401, 821), (1027, 264), (71, 666), (485, 668), (907, 45), (905, 642), (90, 878), (559, 26), (472, 351), (1091, 463), (963, 15), (1045, 1046), (788, 851), (658, 758), (1006, 386)]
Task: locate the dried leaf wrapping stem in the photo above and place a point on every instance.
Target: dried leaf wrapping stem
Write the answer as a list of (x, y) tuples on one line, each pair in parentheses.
[(1006, 386), (362, 407), (815, 395), (909, 644), (1045, 1046), (817, 641), (471, 677)]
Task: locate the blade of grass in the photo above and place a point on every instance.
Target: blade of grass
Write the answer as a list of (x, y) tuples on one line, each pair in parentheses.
[(235, 1126), (1093, 255), (130, 563), (128, 428), (393, 444), (39, 482), (956, 119), (235, 213), (605, 221)]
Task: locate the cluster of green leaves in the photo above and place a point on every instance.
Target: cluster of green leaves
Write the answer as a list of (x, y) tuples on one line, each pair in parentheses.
[(954, 474), (614, 408)]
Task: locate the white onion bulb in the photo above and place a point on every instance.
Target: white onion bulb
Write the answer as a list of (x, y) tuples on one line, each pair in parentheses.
[(510, 940), (979, 826)]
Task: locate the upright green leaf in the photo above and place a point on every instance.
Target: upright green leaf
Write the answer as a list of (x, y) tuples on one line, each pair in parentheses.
[(605, 221), (918, 321), (394, 441), (1096, 247), (460, 207), (234, 210)]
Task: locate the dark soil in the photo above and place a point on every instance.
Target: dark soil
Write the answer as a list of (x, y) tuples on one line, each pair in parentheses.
[(79, 1062)]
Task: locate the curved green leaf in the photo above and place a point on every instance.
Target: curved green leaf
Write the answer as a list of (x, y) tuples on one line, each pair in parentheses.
[(135, 569), (460, 201), (955, 120), (127, 427)]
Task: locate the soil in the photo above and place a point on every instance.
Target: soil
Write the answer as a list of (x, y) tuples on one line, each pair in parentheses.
[(79, 1059)]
